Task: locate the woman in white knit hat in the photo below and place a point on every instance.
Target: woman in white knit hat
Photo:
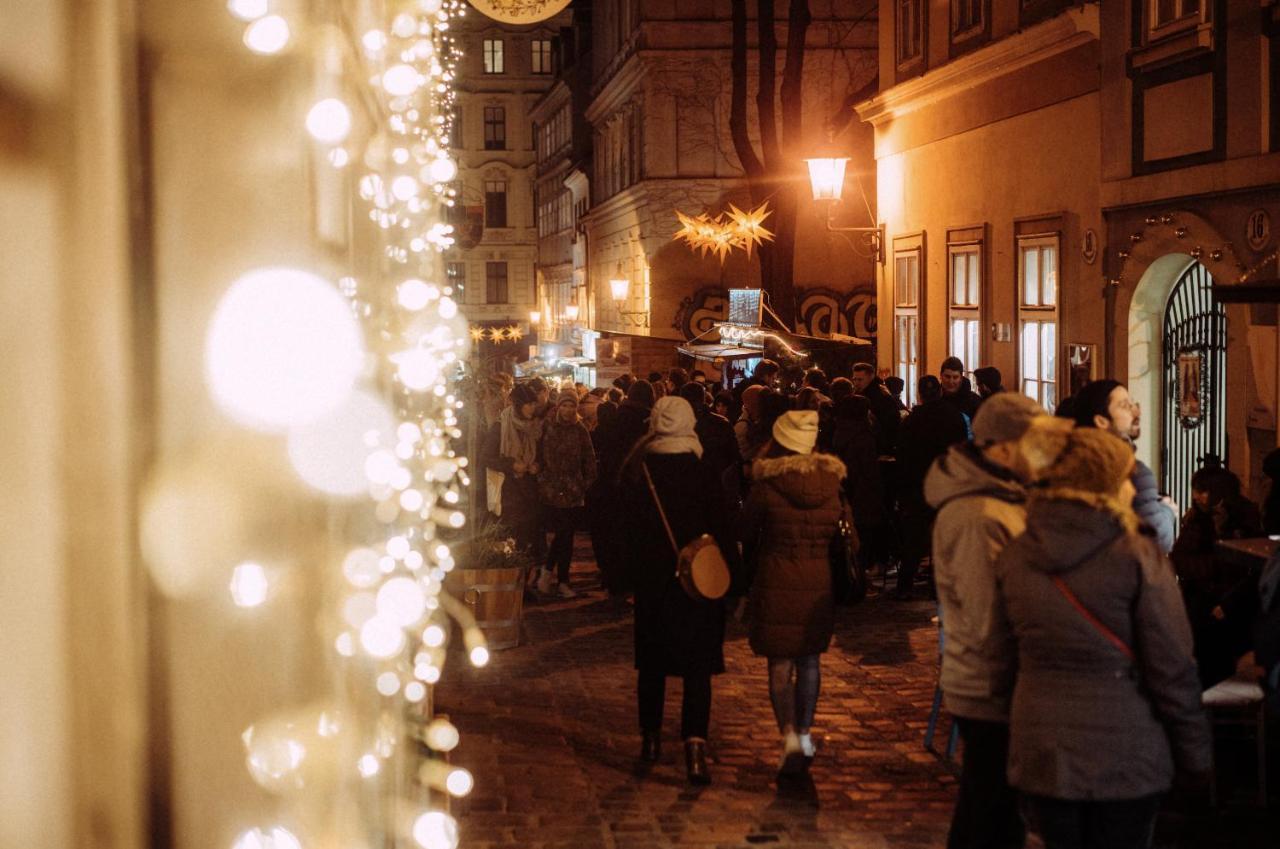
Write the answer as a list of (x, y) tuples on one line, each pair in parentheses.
[(792, 511)]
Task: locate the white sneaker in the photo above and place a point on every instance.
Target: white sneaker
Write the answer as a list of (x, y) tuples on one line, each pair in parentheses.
[(565, 591), (807, 746), (546, 582)]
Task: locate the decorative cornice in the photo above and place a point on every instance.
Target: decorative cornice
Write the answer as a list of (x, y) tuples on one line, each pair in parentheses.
[(1053, 37)]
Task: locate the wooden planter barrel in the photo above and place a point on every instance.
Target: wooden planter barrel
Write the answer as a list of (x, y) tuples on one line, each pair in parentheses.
[(496, 599)]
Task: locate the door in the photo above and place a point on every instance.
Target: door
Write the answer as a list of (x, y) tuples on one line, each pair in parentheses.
[(1194, 415)]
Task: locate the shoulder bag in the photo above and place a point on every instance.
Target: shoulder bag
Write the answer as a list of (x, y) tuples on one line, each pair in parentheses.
[(848, 578), (701, 568)]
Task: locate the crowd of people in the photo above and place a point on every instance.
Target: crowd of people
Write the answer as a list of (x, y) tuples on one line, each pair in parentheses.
[(1080, 624)]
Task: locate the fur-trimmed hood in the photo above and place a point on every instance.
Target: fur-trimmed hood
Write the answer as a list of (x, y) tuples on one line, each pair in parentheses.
[(806, 480)]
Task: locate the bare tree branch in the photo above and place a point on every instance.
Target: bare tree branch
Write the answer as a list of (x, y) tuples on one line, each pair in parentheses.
[(798, 21), (767, 84), (738, 106)]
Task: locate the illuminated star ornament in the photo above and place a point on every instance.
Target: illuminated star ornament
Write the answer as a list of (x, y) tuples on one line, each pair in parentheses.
[(725, 232)]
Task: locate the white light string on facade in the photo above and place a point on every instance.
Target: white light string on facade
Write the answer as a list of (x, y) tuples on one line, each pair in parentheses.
[(361, 380)]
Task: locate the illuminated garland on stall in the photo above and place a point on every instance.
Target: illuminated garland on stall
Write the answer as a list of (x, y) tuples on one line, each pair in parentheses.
[(397, 62)]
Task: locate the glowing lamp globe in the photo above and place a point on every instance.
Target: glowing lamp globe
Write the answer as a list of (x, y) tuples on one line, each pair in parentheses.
[(329, 121), (535, 317), (282, 349), (826, 176), (571, 312), (519, 11), (620, 287), (247, 10), (436, 830), (267, 35), (400, 80)]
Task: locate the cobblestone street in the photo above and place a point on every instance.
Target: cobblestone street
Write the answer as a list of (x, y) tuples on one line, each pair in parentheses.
[(549, 729)]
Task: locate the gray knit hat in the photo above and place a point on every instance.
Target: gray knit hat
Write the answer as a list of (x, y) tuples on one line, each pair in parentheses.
[(1005, 417)]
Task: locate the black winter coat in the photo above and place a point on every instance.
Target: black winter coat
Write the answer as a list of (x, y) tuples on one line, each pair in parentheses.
[(926, 434), (674, 634)]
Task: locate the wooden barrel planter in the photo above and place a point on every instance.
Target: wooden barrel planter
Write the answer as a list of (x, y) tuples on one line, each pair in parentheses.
[(496, 599)]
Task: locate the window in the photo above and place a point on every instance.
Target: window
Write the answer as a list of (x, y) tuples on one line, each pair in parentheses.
[(541, 55), (906, 319), (455, 128), (493, 63), (964, 331), (495, 128), (910, 33), (495, 283), (495, 203), (1038, 318), (456, 276), (966, 16)]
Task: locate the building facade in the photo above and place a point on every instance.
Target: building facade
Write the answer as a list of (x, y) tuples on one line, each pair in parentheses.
[(660, 117), (1051, 173), (504, 71), (562, 144)]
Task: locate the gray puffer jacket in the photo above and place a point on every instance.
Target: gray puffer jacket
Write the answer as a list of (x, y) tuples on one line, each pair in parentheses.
[(981, 507), (1087, 723)]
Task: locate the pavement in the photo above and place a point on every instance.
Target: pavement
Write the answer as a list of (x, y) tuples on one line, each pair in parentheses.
[(549, 729)]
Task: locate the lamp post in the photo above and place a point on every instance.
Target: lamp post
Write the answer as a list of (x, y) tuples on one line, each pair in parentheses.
[(826, 180)]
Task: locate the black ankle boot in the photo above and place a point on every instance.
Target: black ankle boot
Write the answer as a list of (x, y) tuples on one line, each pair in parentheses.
[(651, 746), (695, 761)]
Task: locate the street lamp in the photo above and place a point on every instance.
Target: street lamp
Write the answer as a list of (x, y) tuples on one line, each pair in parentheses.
[(826, 180), (620, 288), (535, 318), (571, 312)]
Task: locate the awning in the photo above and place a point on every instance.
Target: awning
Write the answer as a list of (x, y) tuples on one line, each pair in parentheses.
[(712, 351)]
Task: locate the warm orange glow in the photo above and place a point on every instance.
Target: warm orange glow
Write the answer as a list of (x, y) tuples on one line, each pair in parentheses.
[(826, 176)]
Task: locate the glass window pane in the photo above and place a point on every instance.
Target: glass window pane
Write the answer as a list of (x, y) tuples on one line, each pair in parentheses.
[(975, 279), (1050, 397), (913, 353), (1048, 351), (913, 278), (900, 280), (1050, 256), (1030, 349), (971, 355), (1031, 276), (959, 289)]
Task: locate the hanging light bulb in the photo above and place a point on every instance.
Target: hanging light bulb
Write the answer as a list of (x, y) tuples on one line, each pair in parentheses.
[(329, 121), (267, 35)]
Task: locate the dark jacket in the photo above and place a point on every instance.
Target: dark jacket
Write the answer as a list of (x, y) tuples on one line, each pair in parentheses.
[(926, 434), (792, 513), (887, 416), (625, 429), (719, 443), (1150, 510), (966, 401), (568, 464), (674, 634), (1086, 722), (854, 442)]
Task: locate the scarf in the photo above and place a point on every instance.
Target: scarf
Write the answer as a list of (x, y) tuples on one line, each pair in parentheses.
[(519, 437)]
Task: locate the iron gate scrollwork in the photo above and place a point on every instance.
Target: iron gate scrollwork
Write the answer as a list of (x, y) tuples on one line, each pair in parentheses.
[(1194, 418)]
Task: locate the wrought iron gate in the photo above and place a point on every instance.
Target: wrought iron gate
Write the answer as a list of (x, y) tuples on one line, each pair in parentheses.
[(1194, 421)]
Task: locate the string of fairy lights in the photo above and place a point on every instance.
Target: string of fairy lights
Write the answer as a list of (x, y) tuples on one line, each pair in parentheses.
[(361, 379)]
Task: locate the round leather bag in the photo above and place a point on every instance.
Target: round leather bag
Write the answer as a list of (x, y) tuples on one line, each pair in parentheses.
[(702, 569)]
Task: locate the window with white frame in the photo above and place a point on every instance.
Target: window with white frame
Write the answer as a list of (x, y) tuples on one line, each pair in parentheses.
[(964, 318), (1038, 318), (493, 60), (906, 319), (495, 128), (495, 203), (541, 58)]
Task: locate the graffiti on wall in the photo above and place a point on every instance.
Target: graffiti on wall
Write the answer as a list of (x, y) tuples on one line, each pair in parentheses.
[(821, 311)]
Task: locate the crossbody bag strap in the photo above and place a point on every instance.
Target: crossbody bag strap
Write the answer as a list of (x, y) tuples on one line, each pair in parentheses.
[(1097, 623), (662, 513)]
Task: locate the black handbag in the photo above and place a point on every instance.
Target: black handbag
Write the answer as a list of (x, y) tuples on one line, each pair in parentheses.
[(848, 578)]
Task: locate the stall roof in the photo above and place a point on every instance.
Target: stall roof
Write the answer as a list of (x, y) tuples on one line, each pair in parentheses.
[(712, 351)]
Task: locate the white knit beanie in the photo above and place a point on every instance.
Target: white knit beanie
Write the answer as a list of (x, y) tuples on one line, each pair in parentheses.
[(797, 430)]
